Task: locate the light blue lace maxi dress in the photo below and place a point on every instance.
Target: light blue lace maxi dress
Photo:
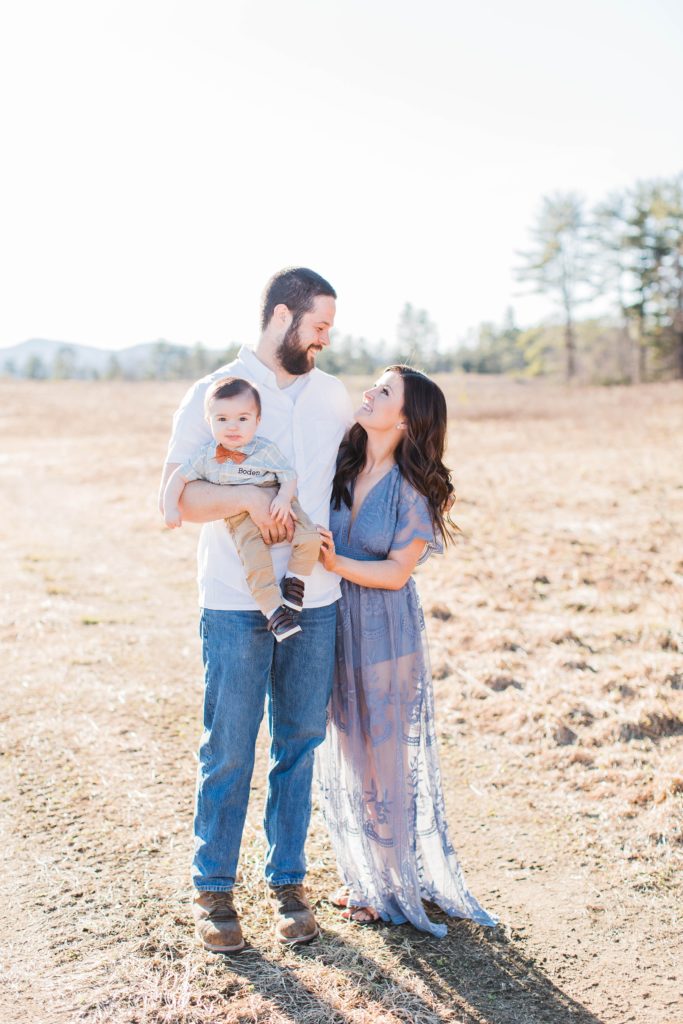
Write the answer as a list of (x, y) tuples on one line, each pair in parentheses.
[(378, 768)]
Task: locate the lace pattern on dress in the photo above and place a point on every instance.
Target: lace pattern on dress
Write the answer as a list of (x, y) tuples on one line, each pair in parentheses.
[(378, 769)]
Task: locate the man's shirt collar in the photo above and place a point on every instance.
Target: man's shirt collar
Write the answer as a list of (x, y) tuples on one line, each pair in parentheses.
[(261, 373)]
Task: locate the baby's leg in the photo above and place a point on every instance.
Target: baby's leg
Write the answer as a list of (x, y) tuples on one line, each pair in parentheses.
[(305, 551), (305, 544), (257, 562)]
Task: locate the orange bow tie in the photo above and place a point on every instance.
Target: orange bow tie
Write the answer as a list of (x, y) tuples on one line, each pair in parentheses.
[(228, 455)]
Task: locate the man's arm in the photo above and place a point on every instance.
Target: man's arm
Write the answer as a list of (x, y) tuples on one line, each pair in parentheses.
[(202, 502)]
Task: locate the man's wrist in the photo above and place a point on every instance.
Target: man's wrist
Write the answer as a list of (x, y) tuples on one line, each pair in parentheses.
[(256, 500), (250, 498)]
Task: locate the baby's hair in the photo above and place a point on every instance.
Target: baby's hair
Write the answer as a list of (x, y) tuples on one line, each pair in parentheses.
[(230, 387)]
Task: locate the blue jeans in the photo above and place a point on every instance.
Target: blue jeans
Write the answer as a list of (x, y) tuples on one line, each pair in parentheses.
[(245, 668)]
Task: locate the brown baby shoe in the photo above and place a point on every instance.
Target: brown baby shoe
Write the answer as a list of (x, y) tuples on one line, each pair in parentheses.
[(281, 624), (293, 592)]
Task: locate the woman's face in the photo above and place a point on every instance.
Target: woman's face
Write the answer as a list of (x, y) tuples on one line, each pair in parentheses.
[(382, 407)]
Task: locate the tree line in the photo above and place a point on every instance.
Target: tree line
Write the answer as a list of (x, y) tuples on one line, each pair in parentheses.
[(625, 253), (629, 251), (159, 360)]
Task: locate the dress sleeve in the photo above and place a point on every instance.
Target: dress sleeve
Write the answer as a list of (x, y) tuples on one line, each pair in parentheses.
[(415, 521)]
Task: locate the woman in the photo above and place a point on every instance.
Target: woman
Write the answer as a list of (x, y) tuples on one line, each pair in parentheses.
[(378, 768)]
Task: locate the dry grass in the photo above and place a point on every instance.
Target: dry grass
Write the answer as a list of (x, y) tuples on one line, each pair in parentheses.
[(557, 646)]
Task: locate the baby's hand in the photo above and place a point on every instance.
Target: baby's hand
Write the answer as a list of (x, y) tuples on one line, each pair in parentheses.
[(280, 508), (172, 517)]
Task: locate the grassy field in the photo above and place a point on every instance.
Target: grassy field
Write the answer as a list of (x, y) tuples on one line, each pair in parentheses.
[(556, 629)]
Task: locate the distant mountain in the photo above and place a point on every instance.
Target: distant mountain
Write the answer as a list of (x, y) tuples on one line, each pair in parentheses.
[(40, 358)]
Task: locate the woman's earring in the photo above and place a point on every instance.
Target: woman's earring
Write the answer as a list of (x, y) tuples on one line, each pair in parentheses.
[(400, 426)]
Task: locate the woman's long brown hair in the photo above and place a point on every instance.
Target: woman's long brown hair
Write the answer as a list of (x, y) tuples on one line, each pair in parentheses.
[(419, 455)]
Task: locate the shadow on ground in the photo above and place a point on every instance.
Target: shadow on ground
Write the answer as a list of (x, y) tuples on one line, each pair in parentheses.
[(473, 976)]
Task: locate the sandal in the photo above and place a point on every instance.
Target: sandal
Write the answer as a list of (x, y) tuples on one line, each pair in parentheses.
[(361, 915), (358, 914), (340, 898)]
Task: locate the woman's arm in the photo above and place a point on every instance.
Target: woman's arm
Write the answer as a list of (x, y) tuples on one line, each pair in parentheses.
[(392, 573)]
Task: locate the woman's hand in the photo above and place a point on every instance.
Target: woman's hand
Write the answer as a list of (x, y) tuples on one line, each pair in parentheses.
[(328, 555)]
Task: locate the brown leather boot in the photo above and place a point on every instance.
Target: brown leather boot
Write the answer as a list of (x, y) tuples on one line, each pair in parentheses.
[(295, 921), (217, 923)]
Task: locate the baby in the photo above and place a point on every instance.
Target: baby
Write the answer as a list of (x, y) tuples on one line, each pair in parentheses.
[(238, 455)]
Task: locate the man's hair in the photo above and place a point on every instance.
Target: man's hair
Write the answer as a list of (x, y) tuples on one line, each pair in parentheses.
[(230, 387), (296, 288)]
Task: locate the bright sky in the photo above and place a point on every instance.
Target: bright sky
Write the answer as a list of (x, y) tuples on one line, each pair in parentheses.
[(163, 158)]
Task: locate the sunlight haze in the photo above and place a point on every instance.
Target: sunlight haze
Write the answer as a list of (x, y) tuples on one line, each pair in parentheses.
[(163, 159)]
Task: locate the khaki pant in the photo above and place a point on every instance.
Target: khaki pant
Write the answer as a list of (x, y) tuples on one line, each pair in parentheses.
[(256, 559)]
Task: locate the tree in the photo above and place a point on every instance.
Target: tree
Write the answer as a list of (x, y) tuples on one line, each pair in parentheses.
[(114, 370), (417, 338), (610, 234), (167, 362), (64, 366), (640, 238), (539, 347), (35, 368), (643, 255), (671, 267), (558, 263), (348, 354), (492, 349)]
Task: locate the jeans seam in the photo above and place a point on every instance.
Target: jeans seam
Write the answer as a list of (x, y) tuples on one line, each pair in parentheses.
[(272, 696), (273, 733)]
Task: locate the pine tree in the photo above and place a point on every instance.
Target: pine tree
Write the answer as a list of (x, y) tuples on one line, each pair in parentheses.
[(417, 338), (558, 263)]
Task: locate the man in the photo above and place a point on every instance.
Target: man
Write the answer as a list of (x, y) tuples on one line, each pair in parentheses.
[(305, 413)]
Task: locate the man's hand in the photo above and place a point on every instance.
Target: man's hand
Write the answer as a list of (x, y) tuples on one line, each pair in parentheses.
[(259, 508)]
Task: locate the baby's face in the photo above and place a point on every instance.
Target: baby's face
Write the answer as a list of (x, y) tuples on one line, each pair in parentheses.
[(233, 421)]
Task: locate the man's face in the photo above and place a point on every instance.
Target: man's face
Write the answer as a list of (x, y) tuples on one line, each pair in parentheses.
[(301, 342)]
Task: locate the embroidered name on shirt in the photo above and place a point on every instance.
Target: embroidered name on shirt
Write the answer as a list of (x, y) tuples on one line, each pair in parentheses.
[(250, 472)]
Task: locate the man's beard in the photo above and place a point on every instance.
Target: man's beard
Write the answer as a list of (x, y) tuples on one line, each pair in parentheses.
[(291, 356)]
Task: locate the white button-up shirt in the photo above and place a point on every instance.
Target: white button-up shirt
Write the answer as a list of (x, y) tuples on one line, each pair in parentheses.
[(307, 428)]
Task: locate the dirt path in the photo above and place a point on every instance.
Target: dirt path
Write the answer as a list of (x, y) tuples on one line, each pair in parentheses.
[(573, 842)]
